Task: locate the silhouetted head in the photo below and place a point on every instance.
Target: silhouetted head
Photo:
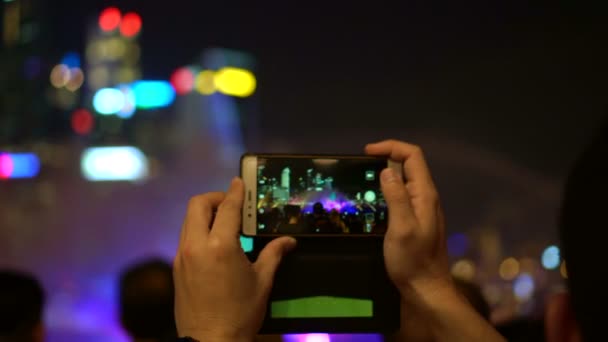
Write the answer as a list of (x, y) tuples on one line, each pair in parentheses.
[(318, 209), (21, 306), (581, 225), (147, 301)]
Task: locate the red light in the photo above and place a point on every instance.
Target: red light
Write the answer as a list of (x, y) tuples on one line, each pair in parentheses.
[(182, 80), (130, 25), (6, 166), (109, 19), (82, 121)]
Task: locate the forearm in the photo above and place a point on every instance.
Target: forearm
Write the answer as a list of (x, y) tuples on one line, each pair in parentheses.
[(441, 313)]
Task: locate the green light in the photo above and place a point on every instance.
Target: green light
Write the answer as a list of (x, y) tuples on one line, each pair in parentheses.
[(322, 307), (246, 244)]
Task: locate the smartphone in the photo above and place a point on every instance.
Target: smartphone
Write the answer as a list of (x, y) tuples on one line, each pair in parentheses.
[(314, 195)]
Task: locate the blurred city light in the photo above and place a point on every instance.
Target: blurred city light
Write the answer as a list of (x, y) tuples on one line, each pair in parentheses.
[(235, 82), (458, 244), (152, 94), (563, 270), (130, 25), (550, 258), (523, 287), (107, 101), (82, 121), (129, 107), (19, 165), (117, 163), (509, 269), (109, 19), (464, 269), (204, 82), (60, 75), (71, 60), (182, 80), (76, 79)]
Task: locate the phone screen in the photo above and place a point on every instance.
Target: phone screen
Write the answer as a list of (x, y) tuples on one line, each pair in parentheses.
[(303, 195)]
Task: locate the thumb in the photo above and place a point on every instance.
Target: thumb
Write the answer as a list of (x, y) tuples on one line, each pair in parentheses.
[(400, 211), (270, 258)]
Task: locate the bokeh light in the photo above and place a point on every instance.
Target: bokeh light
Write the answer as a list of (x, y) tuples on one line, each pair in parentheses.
[(116, 163), (551, 258), (369, 196), (76, 79), (182, 80), (71, 60), (235, 82), (108, 101), (82, 121), (129, 107), (109, 19), (464, 269), (98, 77), (130, 25), (523, 287), (19, 165), (60, 75), (458, 244), (563, 270), (204, 82), (153, 94), (509, 269)]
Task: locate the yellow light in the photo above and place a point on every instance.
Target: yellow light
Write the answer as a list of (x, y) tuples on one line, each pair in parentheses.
[(60, 76), (99, 77), (204, 82), (76, 79), (235, 82), (563, 270), (125, 75), (464, 269), (115, 48), (509, 269)]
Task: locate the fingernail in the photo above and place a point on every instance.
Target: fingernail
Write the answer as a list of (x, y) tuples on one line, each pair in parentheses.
[(388, 176), (289, 246)]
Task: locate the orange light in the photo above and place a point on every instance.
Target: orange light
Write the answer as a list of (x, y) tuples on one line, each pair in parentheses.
[(130, 25), (109, 19)]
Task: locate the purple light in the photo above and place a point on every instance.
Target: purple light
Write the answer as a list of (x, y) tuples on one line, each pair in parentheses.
[(458, 244), (307, 338)]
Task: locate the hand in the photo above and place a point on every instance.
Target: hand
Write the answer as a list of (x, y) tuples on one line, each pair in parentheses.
[(415, 254), (415, 249), (220, 295)]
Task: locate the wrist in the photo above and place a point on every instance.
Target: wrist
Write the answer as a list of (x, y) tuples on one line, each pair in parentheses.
[(212, 336)]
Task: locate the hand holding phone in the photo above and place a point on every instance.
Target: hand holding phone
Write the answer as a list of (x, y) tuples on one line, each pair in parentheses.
[(314, 195)]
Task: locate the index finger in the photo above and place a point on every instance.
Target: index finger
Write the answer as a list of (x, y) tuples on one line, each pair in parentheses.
[(227, 223), (199, 216), (414, 165)]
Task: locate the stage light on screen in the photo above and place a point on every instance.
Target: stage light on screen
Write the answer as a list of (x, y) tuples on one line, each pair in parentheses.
[(550, 258), (246, 243), (115, 163), (369, 196), (19, 165), (235, 82), (130, 25), (204, 82), (109, 19), (182, 80), (82, 121), (153, 94), (107, 101), (523, 287)]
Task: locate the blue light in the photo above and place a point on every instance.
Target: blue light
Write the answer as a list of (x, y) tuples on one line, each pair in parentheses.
[(119, 163), (19, 165), (523, 288), (108, 101), (550, 258), (129, 107), (246, 244), (458, 244), (153, 94), (71, 60)]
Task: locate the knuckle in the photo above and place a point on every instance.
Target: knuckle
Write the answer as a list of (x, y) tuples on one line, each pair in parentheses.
[(197, 202), (229, 205)]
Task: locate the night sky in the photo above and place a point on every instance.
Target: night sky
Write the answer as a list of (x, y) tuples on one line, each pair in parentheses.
[(525, 79)]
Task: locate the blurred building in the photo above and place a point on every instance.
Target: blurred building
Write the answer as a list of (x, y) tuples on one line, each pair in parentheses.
[(24, 63)]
